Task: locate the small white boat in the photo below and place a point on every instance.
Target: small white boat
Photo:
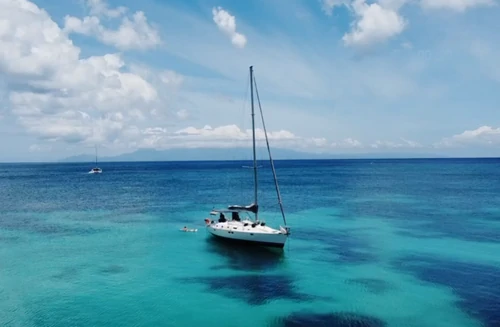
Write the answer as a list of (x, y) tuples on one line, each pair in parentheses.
[(95, 170), (250, 231)]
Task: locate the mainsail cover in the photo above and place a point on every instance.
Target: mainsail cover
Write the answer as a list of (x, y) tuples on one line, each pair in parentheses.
[(252, 207)]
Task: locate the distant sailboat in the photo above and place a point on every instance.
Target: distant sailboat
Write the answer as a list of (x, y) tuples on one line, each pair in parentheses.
[(250, 231), (95, 170)]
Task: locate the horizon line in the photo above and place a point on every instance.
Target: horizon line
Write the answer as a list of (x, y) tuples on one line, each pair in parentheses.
[(236, 160)]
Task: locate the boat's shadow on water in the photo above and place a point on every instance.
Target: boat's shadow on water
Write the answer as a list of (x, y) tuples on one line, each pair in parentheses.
[(245, 257), (258, 284)]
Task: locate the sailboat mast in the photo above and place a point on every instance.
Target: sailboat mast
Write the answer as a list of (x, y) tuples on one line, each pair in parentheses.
[(253, 143), (96, 155)]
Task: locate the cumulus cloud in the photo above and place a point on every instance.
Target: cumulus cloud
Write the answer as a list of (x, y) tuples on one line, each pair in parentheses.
[(481, 136), (227, 24), (348, 143), (374, 23), (228, 136), (60, 96), (168, 78), (133, 33), (234, 133), (403, 143), (225, 136), (170, 84), (377, 21)]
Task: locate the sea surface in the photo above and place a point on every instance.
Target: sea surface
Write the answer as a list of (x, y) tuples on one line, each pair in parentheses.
[(374, 243)]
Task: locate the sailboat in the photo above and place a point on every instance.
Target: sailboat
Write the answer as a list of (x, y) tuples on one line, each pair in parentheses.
[(251, 231), (95, 170)]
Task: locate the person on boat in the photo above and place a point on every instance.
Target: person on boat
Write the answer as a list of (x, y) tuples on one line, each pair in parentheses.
[(235, 216), (222, 218)]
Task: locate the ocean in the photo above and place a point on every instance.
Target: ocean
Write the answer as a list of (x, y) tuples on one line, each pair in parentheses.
[(374, 243)]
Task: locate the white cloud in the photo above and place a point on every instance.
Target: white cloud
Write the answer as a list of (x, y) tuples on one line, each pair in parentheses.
[(228, 136), (220, 137), (374, 24), (411, 144), (481, 136), (170, 84), (59, 96), (396, 145), (234, 133), (457, 5), (306, 68), (227, 24), (100, 8), (375, 21), (379, 20), (168, 78), (348, 143), (133, 33)]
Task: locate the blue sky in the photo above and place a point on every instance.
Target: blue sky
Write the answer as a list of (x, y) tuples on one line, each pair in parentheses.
[(335, 76)]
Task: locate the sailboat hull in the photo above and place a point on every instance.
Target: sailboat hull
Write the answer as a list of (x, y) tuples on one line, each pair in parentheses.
[(260, 236)]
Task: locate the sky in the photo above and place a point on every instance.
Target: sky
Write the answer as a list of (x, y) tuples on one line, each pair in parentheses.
[(333, 76)]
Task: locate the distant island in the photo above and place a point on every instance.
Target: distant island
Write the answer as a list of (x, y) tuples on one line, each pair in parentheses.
[(221, 154)]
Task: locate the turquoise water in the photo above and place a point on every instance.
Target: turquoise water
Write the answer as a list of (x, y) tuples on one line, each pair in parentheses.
[(374, 243)]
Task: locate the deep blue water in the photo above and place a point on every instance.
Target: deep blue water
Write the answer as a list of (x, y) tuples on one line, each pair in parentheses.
[(374, 243)]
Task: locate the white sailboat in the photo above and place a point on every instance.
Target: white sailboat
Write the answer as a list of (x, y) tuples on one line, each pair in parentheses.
[(95, 170), (250, 231)]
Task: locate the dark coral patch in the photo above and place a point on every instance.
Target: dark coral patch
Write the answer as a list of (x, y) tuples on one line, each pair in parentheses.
[(113, 269), (68, 273), (36, 225), (350, 255), (9, 239), (478, 286), (372, 285), (337, 319), (341, 246), (253, 289)]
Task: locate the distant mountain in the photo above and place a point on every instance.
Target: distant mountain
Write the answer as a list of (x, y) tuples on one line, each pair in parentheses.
[(81, 158), (197, 154)]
